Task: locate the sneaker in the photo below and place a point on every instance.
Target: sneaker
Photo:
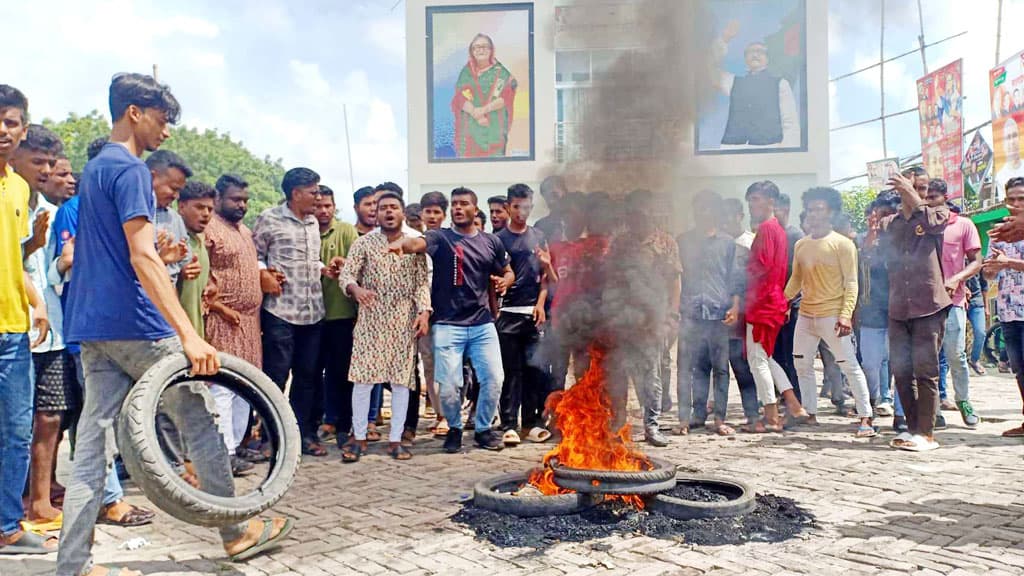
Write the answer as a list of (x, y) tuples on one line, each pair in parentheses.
[(940, 422), (654, 437), (884, 409), (453, 440), (967, 412), (240, 466), (899, 424), (488, 440), (977, 367), (947, 405)]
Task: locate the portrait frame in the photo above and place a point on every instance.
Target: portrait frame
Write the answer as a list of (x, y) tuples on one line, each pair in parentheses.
[(447, 133), (711, 118)]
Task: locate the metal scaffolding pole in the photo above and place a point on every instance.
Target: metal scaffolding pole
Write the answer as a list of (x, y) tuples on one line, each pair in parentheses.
[(881, 83)]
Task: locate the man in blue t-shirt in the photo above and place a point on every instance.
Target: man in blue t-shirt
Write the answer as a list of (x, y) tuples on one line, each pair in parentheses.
[(468, 264), (124, 312), (520, 317)]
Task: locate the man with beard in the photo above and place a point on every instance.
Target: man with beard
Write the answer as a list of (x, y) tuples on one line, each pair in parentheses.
[(466, 263), (62, 181), (498, 207), (366, 210), (433, 210), (287, 239), (56, 393), (233, 321), (169, 172), (126, 315), (394, 309), (336, 237)]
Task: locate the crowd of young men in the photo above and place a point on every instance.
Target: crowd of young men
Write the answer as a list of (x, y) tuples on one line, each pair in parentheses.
[(101, 275)]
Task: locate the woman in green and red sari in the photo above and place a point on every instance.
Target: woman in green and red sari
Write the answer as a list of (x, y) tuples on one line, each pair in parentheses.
[(482, 105)]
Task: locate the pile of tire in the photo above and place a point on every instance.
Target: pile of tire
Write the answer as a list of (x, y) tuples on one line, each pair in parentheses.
[(661, 477), (154, 474)]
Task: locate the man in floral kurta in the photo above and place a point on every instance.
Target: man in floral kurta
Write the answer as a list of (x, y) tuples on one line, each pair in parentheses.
[(394, 308)]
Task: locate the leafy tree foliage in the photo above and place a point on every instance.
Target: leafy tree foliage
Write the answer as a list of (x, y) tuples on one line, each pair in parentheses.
[(855, 200)]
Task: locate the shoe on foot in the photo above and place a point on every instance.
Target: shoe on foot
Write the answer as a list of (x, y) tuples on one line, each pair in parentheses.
[(453, 440), (1004, 368), (967, 413), (947, 405), (654, 437), (489, 440), (940, 422), (884, 409), (240, 466), (977, 367), (899, 424)]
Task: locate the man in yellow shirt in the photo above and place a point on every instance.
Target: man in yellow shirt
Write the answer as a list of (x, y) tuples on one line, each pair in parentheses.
[(16, 293), (825, 270)]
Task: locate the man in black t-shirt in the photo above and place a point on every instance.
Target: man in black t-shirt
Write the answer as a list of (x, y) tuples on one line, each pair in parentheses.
[(519, 320), (468, 264)]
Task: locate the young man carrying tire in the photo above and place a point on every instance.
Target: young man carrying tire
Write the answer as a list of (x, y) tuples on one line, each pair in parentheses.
[(119, 344)]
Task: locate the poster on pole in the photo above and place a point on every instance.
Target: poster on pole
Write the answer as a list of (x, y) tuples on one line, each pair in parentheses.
[(977, 166), (940, 106), (1006, 84), (880, 171)]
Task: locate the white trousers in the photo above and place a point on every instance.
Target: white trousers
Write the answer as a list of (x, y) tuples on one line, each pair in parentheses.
[(809, 331), (233, 416), (361, 410), (768, 375)]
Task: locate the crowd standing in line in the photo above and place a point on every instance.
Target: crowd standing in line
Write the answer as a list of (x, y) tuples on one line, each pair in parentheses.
[(104, 272)]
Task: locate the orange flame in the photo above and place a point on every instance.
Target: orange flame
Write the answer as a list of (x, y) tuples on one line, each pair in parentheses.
[(583, 414)]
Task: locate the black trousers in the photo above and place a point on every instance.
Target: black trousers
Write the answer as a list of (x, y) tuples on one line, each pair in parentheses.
[(525, 387), (335, 404), (412, 413), (293, 348), (783, 353)]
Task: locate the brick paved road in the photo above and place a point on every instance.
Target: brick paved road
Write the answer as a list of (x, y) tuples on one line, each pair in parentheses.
[(958, 510)]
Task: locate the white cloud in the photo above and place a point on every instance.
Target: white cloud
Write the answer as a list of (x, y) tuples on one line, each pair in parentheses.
[(308, 79), (388, 34)]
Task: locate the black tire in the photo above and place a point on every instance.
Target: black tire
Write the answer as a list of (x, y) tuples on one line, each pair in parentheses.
[(661, 472), (741, 500), (598, 487), (487, 494), (149, 468)]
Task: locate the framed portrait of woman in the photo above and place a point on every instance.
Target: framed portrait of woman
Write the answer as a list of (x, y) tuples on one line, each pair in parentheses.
[(480, 83)]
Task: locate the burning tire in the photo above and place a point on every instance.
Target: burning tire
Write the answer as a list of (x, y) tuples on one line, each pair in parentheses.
[(150, 469), (718, 497), (495, 494), (661, 477)]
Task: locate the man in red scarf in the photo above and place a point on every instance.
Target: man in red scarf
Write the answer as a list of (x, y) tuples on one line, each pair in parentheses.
[(766, 305)]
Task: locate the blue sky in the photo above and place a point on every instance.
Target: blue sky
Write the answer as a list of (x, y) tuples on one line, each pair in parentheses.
[(276, 74)]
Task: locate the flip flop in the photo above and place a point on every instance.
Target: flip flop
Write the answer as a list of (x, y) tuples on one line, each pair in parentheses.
[(440, 429), (265, 542), (351, 452), (28, 543), (45, 525), (135, 516), (510, 438), (400, 453), (866, 432), (538, 435), (900, 438), (314, 449), (919, 444), (721, 430)]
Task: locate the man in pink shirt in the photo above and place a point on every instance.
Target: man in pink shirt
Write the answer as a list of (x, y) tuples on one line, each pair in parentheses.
[(961, 259)]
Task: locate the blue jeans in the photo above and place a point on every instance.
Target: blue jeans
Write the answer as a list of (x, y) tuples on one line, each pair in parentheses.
[(480, 344), (703, 357), (112, 490), (16, 401), (976, 316), (953, 345), (874, 350)]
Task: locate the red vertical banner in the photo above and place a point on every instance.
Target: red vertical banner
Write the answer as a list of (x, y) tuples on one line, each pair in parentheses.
[(940, 108)]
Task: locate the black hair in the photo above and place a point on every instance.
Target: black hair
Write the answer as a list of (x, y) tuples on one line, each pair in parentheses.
[(708, 198), (888, 199), (95, 146), (11, 97), (362, 194), (39, 138), (463, 191), (481, 215), (162, 160), (297, 177), (391, 194), (550, 183), (503, 200), (783, 201), (142, 91), (325, 190), (227, 181), (938, 185), (1014, 182), (519, 191), (953, 207), (830, 196), (842, 222), (434, 198), (196, 190), (915, 171), (766, 187), (390, 187), (413, 210)]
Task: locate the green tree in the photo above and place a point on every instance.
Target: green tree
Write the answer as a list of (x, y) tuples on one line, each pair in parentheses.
[(209, 154), (855, 201)]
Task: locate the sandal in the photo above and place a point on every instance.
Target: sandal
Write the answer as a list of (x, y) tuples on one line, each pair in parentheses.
[(440, 429), (510, 438), (313, 448), (538, 435), (265, 542), (408, 438), (400, 453), (919, 444), (26, 543), (352, 451), (681, 431), (900, 440), (762, 427), (372, 435), (722, 429), (865, 431), (1017, 432), (135, 516), (41, 526)]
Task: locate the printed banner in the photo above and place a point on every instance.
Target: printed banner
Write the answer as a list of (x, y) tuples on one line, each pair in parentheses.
[(977, 164), (940, 106), (1006, 83), (880, 171)]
